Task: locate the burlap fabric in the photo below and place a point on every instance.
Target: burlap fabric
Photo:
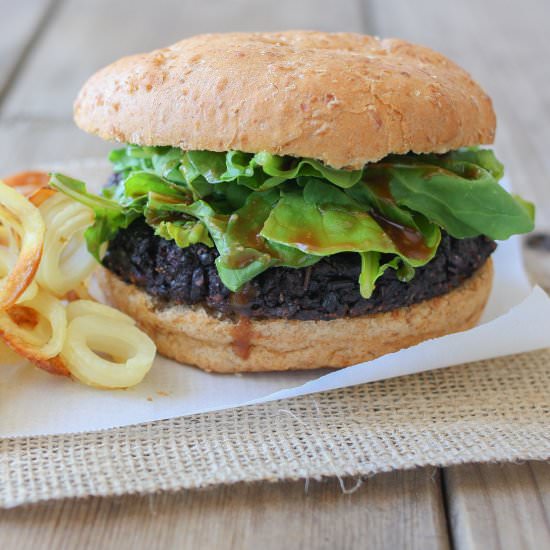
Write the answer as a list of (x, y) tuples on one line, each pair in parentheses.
[(495, 410)]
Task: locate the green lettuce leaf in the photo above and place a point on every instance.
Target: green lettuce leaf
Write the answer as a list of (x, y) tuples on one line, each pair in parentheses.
[(184, 233), (323, 230), (323, 220), (110, 217), (453, 191), (458, 191), (385, 209), (244, 252), (281, 169), (262, 210), (258, 171), (485, 158), (140, 184), (372, 270)]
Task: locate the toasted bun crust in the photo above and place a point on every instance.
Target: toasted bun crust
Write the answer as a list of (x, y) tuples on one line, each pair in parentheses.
[(192, 336), (345, 99)]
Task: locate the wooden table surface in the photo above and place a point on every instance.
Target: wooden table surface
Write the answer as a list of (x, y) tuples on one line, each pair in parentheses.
[(49, 47)]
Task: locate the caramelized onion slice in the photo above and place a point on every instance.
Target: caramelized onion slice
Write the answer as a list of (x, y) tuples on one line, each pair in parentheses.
[(19, 216)]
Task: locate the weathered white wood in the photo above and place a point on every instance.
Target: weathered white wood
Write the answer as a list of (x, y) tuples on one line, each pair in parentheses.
[(396, 510), (36, 143), (499, 506), (87, 35), (506, 48), (20, 21)]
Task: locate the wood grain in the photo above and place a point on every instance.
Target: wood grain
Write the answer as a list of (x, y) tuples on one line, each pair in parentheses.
[(22, 21), (499, 506), (39, 142), (84, 36), (395, 510)]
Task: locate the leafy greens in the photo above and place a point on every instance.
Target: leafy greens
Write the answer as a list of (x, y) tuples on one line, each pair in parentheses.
[(262, 210)]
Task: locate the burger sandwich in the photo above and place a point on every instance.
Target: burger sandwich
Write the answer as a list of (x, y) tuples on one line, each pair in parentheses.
[(294, 200)]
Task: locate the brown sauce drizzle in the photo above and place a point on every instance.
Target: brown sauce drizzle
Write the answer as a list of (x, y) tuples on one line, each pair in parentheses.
[(431, 171), (248, 234), (244, 297), (242, 336), (306, 240), (408, 241), (471, 172), (239, 260), (379, 183)]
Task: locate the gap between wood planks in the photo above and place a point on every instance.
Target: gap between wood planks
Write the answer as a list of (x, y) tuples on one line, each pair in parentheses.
[(495, 506), (445, 503), (398, 509)]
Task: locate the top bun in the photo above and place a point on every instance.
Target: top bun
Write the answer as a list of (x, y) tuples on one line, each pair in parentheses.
[(345, 99)]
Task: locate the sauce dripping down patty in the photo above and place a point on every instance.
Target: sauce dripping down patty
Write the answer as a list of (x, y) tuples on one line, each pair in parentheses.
[(407, 240), (242, 336)]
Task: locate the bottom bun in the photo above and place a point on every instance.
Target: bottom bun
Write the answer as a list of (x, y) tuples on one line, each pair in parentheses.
[(193, 336)]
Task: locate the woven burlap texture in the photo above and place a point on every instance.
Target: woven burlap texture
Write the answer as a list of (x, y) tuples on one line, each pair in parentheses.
[(495, 410)]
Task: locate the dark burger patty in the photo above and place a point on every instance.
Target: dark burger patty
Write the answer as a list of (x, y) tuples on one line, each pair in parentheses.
[(326, 290)]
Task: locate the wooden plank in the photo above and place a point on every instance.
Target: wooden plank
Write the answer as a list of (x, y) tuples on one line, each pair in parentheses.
[(37, 143), (21, 21), (395, 510), (499, 506), (87, 35), (35, 126), (505, 49), (494, 506)]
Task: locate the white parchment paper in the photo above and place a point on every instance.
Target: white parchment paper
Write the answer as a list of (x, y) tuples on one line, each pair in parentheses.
[(32, 402)]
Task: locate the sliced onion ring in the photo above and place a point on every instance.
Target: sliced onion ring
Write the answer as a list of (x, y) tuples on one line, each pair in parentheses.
[(66, 261), (19, 215), (79, 308), (7, 260), (28, 182), (4, 236), (80, 292), (41, 195), (7, 356), (40, 238), (107, 352), (40, 340)]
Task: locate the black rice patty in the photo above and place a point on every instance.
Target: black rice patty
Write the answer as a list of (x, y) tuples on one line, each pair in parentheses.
[(326, 290)]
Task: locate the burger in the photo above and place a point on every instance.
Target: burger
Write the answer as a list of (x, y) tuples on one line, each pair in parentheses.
[(294, 200)]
